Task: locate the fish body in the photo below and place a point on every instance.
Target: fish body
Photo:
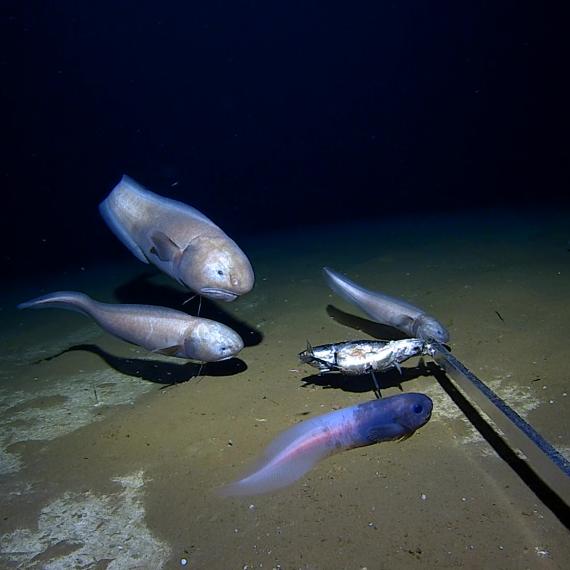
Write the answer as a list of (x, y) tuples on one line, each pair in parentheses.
[(387, 310), (363, 356), (298, 449), (157, 329), (181, 241)]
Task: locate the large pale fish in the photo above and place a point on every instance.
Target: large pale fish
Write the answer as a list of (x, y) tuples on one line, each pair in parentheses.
[(387, 310), (297, 450), (157, 329), (179, 240)]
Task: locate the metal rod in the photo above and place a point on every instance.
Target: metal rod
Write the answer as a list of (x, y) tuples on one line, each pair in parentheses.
[(542, 458)]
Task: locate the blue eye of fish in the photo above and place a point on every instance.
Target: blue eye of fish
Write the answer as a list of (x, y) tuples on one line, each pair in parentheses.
[(220, 272), (418, 408)]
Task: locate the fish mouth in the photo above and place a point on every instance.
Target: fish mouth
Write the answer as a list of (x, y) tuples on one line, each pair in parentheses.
[(218, 294), (411, 428), (305, 357)]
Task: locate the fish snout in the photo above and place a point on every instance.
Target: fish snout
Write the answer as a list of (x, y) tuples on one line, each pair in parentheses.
[(230, 348), (419, 411), (242, 278), (430, 328), (306, 357)]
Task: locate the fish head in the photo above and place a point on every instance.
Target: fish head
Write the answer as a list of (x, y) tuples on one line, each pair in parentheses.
[(319, 361), (210, 341), (411, 411), (427, 327), (309, 358), (393, 418), (216, 268)]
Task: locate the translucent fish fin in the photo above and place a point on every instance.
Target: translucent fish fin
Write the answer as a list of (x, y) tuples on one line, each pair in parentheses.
[(289, 456), (167, 350), (406, 436), (164, 247), (70, 300), (272, 477)]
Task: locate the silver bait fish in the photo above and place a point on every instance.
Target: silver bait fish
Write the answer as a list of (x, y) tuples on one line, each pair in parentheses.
[(358, 357)]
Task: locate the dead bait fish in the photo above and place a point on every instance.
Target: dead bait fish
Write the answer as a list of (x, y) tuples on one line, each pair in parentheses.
[(297, 450), (363, 356), (179, 240), (387, 310), (157, 329)]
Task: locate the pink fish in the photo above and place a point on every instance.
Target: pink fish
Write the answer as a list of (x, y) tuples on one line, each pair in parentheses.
[(298, 449)]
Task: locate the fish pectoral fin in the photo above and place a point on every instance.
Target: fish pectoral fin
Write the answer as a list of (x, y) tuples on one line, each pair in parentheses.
[(404, 322), (328, 365), (168, 350), (385, 432), (164, 247), (406, 436)]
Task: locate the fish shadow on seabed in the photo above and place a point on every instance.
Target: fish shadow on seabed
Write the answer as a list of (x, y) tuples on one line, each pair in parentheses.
[(364, 383), (159, 371), (371, 328), (143, 290)]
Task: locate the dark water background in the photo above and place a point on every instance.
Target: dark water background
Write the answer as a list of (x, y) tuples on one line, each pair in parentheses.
[(273, 115)]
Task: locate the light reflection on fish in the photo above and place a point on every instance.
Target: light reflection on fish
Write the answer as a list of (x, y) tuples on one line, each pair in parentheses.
[(298, 449)]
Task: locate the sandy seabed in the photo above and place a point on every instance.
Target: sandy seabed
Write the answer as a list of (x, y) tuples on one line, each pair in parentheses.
[(110, 456)]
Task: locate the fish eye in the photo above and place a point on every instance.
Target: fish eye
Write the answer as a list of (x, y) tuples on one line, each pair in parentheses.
[(220, 272), (418, 409)]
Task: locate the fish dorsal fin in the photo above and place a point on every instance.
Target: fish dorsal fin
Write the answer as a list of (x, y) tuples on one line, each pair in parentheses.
[(164, 247)]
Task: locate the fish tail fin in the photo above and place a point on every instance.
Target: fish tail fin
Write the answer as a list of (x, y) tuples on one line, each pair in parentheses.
[(70, 300), (273, 477), (342, 286), (287, 459)]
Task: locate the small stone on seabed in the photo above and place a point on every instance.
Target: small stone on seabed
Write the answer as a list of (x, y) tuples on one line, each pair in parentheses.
[(183, 561), (541, 552), (423, 496)]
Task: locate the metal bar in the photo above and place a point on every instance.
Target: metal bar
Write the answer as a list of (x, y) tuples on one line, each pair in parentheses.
[(542, 458)]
